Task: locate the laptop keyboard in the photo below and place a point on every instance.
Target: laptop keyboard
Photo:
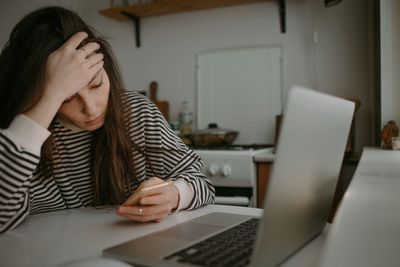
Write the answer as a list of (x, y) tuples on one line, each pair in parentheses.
[(232, 247)]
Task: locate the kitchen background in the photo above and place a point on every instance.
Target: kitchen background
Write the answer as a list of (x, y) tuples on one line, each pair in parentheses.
[(329, 49)]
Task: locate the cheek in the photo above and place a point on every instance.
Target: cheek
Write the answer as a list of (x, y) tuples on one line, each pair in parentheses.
[(70, 112)]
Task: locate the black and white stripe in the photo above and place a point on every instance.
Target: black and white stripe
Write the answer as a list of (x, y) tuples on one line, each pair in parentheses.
[(24, 190)]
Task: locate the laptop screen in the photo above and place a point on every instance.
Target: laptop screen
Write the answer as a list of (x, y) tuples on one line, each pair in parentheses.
[(308, 159)]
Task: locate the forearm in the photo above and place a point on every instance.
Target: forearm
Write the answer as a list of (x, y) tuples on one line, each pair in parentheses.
[(44, 111), (16, 168), (20, 146), (203, 190)]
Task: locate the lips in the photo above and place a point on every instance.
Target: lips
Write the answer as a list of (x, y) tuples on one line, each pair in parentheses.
[(96, 120)]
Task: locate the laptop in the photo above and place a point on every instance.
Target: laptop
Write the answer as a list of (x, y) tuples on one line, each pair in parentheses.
[(308, 159)]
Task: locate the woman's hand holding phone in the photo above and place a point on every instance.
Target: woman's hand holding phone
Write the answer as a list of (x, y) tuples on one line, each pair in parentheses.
[(151, 201)]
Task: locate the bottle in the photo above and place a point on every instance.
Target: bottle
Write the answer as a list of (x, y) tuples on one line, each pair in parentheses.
[(185, 119)]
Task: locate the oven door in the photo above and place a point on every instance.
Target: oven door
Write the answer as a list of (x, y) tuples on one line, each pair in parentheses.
[(234, 196), (236, 192)]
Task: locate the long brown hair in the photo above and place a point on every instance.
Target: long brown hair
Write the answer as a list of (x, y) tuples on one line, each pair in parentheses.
[(23, 61)]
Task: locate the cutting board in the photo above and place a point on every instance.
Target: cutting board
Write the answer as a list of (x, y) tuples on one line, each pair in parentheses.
[(163, 106)]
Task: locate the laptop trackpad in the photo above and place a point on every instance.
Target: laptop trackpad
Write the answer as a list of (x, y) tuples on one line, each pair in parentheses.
[(190, 231)]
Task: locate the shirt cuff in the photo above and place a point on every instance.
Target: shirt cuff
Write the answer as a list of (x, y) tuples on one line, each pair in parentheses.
[(185, 194), (26, 133)]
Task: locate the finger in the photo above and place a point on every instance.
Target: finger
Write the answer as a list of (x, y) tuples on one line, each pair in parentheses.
[(144, 210), (155, 199), (74, 41), (151, 187), (148, 218), (82, 54), (93, 70), (153, 181), (94, 59), (89, 83), (129, 210), (90, 48)]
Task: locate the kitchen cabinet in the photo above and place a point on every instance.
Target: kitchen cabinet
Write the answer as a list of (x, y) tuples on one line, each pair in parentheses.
[(263, 174), (164, 7)]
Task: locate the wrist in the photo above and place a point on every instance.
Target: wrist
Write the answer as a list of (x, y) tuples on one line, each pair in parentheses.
[(52, 97), (186, 193), (44, 111), (27, 133), (175, 203)]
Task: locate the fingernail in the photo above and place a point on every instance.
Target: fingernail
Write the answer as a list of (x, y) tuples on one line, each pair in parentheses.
[(121, 209)]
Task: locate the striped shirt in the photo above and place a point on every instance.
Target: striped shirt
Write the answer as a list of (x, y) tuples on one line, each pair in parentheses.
[(24, 190)]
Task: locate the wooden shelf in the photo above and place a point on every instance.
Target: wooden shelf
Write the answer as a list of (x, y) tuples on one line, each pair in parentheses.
[(165, 7)]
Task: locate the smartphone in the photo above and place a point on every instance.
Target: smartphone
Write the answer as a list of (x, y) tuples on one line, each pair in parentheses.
[(143, 190)]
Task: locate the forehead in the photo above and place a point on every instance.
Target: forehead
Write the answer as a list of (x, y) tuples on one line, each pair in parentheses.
[(100, 78), (98, 75)]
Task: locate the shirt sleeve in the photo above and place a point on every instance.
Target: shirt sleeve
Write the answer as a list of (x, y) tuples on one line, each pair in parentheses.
[(167, 157), (184, 165), (20, 147), (29, 135), (185, 194)]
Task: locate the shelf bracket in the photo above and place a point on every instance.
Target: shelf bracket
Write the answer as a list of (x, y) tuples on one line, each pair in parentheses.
[(282, 15), (136, 22)]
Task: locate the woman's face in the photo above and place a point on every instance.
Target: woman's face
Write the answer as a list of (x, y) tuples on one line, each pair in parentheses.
[(87, 108)]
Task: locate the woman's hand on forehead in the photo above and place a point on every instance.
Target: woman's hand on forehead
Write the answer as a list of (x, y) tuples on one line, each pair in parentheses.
[(70, 68)]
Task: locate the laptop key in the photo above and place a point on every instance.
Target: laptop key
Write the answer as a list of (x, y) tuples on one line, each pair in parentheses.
[(231, 247)]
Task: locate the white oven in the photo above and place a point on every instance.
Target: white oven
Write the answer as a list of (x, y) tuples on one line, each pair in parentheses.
[(233, 172)]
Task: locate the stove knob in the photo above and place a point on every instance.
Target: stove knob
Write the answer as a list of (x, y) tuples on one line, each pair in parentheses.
[(226, 170), (213, 169)]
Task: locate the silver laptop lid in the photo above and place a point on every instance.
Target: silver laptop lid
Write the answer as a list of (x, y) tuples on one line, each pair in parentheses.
[(308, 159)]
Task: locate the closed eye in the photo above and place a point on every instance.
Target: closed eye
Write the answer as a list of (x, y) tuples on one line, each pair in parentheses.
[(96, 85)]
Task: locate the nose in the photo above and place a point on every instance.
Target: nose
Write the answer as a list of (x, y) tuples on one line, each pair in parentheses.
[(89, 106)]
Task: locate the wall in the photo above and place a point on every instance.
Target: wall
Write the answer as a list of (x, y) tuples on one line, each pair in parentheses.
[(343, 57), (13, 11), (338, 63), (170, 44), (390, 61)]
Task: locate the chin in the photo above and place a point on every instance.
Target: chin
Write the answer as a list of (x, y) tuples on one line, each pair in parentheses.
[(91, 128)]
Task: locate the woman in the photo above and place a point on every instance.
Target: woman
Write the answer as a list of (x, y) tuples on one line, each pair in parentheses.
[(70, 136)]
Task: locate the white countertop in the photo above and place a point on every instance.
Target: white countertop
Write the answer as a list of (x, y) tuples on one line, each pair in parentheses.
[(56, 238), (366, 229), (267, 156)]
